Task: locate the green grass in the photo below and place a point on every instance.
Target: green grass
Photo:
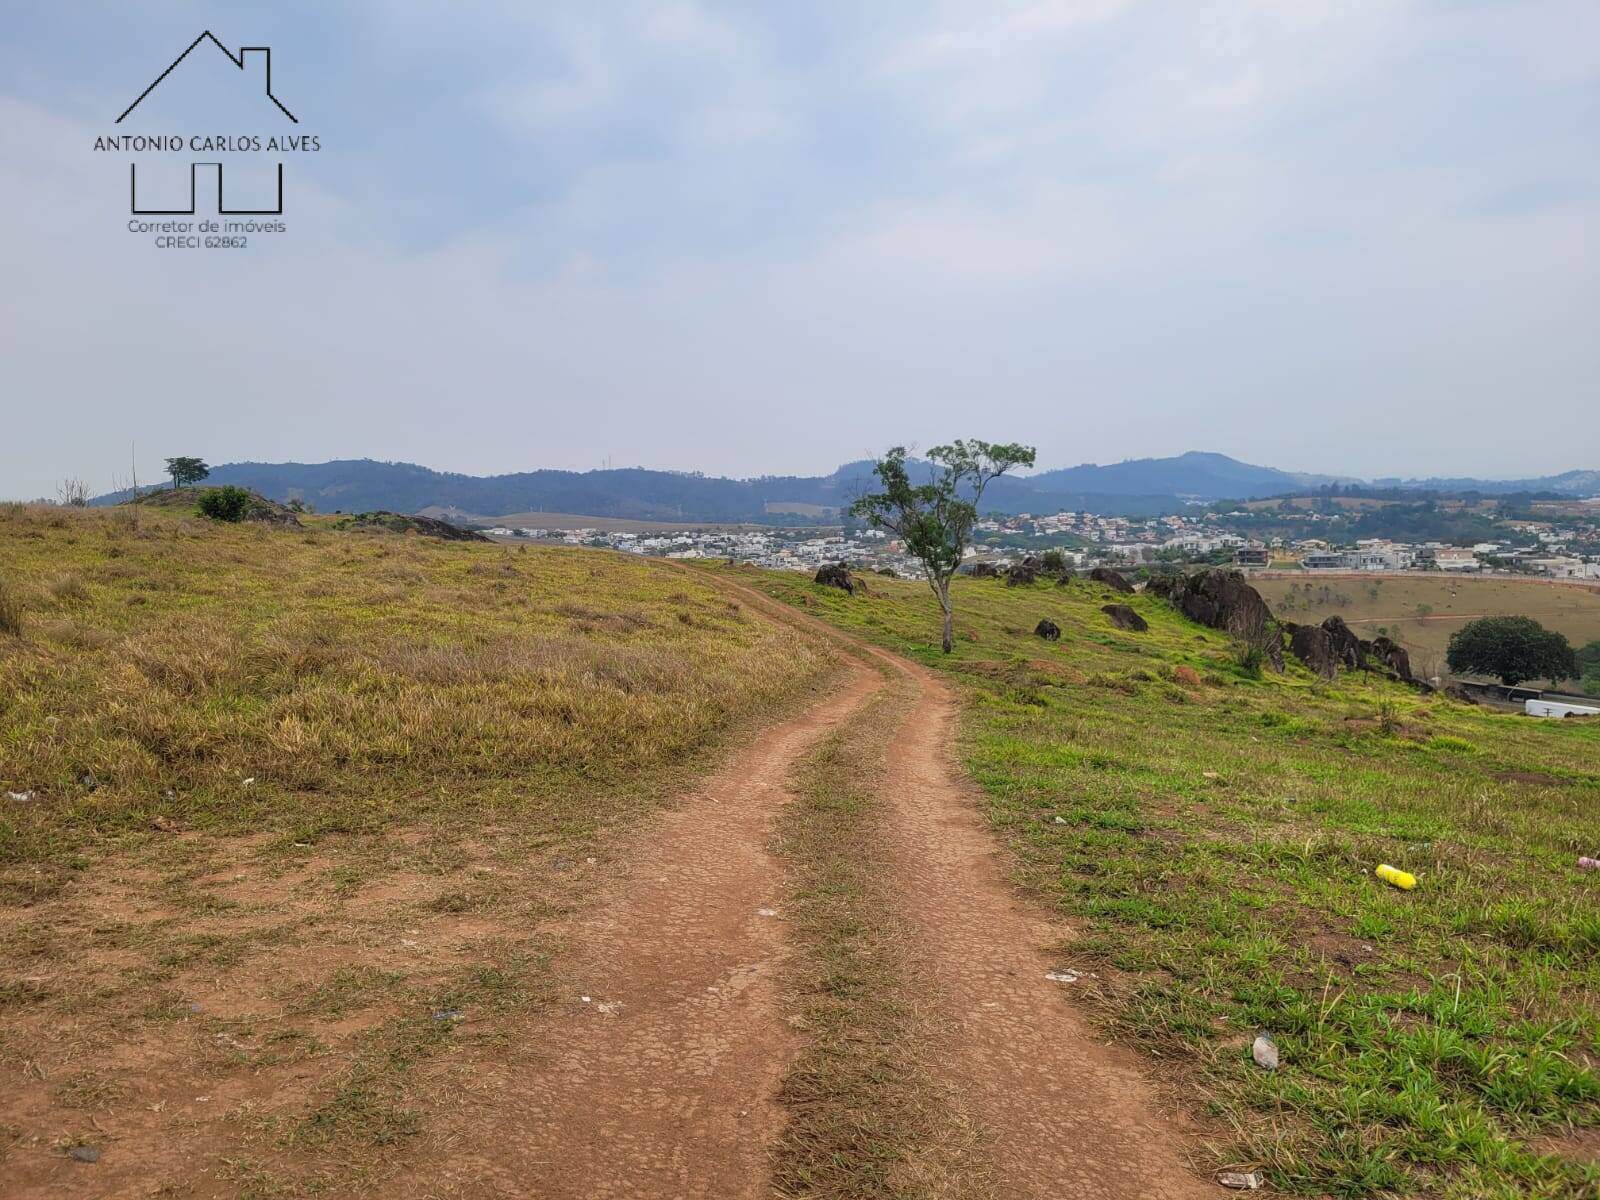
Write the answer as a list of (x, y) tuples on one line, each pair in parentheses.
[(1213, 836)]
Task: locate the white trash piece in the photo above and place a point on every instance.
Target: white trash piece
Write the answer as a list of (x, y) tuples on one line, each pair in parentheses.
[(1245, 1181), (1265, 1051)]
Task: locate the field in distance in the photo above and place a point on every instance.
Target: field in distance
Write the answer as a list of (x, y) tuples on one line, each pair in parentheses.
[(287, 817), (1422, 611)]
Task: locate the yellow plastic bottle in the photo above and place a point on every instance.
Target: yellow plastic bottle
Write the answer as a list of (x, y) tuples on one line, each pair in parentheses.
[(1400, 879)]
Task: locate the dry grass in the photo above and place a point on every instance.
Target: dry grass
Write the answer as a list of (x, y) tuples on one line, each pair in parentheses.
[(307, 814)]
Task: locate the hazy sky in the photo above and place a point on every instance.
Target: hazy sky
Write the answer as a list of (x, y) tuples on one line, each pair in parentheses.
[(751, 238)]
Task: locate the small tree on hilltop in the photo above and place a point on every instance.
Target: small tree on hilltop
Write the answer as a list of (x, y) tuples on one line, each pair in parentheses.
[(1513, 649), (185, 471), (934, 520)]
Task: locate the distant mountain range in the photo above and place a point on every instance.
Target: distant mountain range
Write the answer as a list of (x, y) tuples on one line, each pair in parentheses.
[(1137, 487)]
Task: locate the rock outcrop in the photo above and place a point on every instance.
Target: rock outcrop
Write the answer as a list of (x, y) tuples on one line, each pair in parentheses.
[(1024, 572), (838, 575), (983, 570), (1346, 645), (1333, 646), (1112, 579), (1124, 617), (1312, 645), (1223, 600), (1390, 657), (393, 522), (1048, 630)]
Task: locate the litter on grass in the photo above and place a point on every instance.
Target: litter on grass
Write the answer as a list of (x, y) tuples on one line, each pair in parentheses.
[(1265, 1051), (1585, 863), (1403, 880), (1067, 976), (1245, 1181)]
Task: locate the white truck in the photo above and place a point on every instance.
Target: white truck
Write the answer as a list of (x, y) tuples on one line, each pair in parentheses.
[(1552, 708)]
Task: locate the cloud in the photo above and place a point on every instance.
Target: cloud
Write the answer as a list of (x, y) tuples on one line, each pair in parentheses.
[(1340, 237)]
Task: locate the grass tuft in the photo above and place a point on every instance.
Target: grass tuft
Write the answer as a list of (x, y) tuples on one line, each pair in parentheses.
[(10, 609)]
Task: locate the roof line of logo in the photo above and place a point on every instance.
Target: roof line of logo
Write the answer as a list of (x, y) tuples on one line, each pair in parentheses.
[(236, 59)]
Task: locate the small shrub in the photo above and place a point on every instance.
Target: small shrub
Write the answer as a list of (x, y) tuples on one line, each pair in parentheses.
[(1388, 716), (1248, 657), (225, 503)]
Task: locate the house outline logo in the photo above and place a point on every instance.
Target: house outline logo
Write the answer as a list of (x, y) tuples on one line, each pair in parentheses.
[(237, 60)]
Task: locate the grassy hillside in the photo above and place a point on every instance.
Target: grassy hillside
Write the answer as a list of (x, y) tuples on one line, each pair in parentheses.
[(1212, 836), (1422, 611), (284, 815)]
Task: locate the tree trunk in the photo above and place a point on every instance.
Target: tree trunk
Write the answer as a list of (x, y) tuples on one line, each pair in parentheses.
[(949, 616)]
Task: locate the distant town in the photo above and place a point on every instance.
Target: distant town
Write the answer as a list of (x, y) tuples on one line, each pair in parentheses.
[(1557, 548)]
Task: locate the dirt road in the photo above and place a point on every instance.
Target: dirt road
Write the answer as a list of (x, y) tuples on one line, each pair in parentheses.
[(659, 1071), (663, 1069), (1061, 1113)]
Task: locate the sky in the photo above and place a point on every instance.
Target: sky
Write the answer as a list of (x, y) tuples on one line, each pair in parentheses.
[(1347, 236)]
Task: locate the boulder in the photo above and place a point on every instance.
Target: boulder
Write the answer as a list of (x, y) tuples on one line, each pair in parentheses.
[(1357, 654), (1390, 657), (1164, 586), (1312, 645), (1024, 572), (1223, 600), (1112, 579), (1048, 630), (1124, 617), (983, 570), (838, 575), (1345, 644)]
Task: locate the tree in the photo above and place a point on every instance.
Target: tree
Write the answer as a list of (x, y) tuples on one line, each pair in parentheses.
[(1589, 668), (185, 471), (73, 492), (225, 503), (934, 520), (1513, 649)]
